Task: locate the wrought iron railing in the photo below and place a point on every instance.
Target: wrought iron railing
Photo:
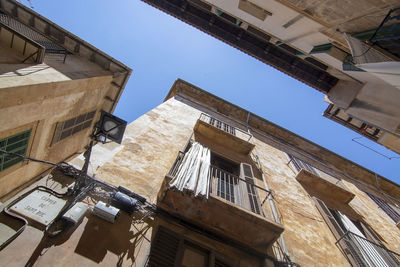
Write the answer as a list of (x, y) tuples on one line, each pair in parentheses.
[(232, 188), (363, 252), (225, 127), (51, 48), (174, 169), (241, 192)]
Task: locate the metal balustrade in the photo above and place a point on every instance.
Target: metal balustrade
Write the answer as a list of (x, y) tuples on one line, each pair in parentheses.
[(174, 169), (241, 192), (225, 127), (363, 252)]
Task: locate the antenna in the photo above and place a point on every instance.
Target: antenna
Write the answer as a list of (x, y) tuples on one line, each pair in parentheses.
[(377, 152)]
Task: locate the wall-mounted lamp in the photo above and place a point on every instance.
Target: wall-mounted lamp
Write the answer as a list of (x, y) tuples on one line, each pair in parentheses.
[(110, 127)]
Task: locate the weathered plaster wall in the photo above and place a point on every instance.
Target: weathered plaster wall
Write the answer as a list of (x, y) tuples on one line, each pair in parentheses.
[(40, 107), (140, 163), (150, 148), (75, 67)]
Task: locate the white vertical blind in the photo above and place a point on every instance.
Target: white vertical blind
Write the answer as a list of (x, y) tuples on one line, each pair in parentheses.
[(368, 251)]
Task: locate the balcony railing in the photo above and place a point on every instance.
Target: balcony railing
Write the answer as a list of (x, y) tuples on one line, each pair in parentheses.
[(225, 127), (241, 192), (362, 252), (174, 169), (236, 207)]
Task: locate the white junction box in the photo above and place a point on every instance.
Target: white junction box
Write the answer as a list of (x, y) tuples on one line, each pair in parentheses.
[(39, 206), (76, 213)]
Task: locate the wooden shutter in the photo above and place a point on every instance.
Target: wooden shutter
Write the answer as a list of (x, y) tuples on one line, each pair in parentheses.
[(299, 164), (17, 143), (350, 251), (252, 200), (164, 249), (386, 207)]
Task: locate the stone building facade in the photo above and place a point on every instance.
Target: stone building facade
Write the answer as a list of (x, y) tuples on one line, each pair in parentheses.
[(223, 187), (347, 50), (52, 88)]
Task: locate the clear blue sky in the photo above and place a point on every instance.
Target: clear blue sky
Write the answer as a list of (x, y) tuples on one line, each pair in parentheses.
[(160, 49)]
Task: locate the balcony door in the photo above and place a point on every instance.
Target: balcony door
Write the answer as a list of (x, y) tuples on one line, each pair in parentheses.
[(359, 243), (234, 182), (225, 179)]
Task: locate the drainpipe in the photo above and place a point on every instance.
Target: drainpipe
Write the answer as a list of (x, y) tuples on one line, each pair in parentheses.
[(247, 122)]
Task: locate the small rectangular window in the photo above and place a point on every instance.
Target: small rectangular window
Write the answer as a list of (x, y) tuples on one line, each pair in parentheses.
[(18, 144), (71, 126)]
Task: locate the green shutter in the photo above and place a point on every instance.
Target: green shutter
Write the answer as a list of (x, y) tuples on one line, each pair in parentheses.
[(17, 143), (324, 48)]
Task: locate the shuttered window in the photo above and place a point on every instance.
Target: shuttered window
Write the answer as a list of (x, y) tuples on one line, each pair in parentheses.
[(18, 144), (69, 127), (169, 249), (357, 240), (164, 249), (390, 209), (299, 164), (351, 252), (246, 172)]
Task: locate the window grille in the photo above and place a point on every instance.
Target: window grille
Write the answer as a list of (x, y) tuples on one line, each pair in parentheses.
[(17, 143), (69, 127)]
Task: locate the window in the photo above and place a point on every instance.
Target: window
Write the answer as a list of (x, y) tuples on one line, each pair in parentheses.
[(72, 126), (392, 210), (17, 143), (225, 178), (357, 240), (234, 182), (169, 249), (299, 164)]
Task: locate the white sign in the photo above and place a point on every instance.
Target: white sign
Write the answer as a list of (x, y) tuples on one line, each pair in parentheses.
[(39, 206)]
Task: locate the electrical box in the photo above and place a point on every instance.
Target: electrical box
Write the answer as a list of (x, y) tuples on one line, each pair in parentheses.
[(106, 212), (76, 213)]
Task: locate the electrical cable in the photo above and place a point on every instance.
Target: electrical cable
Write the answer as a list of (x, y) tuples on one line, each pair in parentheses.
[(9, 213), (79, 193)]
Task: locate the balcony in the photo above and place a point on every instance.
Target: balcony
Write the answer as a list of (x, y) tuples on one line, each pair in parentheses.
[(236, 208), (362, 252), (317, 181), (331, 190), (224, 134)]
